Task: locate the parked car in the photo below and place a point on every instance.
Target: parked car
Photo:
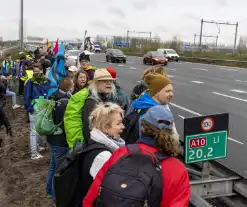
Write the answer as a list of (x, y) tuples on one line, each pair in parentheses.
[(170, 54), (154, 58), (115, 55)]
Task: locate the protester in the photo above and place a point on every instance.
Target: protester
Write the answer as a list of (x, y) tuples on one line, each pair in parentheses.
[(86, 66), (102, 89), (72, 72), (57, 143), (81, 81), (156, 136), (106, 124), (122, 98), (160, 92), (35, 87)]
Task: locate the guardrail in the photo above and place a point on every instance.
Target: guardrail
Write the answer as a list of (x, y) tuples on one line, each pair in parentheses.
[(3, 51)]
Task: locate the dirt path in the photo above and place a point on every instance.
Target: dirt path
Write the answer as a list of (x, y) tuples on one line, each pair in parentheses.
[(22, 181)]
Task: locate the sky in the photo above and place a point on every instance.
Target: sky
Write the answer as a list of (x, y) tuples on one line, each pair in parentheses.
[(69, 19)]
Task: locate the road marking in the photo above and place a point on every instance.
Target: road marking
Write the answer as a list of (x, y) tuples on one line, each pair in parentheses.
[(120, 65), (110, 63), (232, 97), (170, 69), (170, 76), (241, 81), (203, 69), (132, 68), (237, 91), (101, 61), (199, 82), (197, 114), (229, 69), (182, 117), (129, 62)]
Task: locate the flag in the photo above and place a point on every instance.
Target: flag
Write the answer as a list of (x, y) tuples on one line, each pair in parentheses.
[(57, 71), (55, 50), (48, 44)]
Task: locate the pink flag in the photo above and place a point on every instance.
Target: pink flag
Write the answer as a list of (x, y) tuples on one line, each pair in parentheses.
[(55, 50)]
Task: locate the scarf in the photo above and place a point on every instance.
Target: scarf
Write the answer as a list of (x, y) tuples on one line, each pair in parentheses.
[(112, 143)]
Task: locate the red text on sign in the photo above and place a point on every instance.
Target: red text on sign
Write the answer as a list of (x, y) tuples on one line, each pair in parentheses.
[(198, 142)]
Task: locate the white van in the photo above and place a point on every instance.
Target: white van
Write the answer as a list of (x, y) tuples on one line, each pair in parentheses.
[(170, 54)]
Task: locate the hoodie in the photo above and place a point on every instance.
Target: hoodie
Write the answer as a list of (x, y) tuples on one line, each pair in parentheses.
[(90, 71)]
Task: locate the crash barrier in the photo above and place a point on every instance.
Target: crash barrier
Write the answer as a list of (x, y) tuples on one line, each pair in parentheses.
[(5, 50), (206, 140)]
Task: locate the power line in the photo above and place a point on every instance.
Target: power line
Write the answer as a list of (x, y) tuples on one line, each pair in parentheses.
[(150, 34)]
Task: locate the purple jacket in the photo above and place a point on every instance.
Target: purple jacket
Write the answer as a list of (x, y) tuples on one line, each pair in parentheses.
[(21, 67)]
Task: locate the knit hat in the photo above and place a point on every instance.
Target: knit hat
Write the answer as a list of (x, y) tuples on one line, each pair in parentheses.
[(102, 74), (156, 82), (112, 72), (160, 117)]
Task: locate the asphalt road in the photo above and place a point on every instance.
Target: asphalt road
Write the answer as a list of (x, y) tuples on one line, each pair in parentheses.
[(199, 90)]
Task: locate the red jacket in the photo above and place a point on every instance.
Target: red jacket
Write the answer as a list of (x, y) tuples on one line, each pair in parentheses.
[(176, 186)]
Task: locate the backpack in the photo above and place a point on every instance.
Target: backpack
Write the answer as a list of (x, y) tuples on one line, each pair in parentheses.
[(67, 181), (137, 180), (130, 133), (44, 122)]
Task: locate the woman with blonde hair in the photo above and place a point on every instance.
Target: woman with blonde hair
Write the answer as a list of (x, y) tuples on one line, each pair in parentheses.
[(106, 126), (157, 141)]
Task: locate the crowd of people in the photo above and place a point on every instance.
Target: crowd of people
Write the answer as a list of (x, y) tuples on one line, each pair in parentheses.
[(130, 144)]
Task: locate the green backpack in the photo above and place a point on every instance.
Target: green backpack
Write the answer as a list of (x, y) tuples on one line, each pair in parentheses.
[(44, 123)]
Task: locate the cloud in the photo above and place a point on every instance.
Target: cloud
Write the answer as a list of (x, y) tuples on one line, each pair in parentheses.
[(99, 24), (143, 4), (192, 17), (161, 28), (117, 12), (121, 25), (222, 3)]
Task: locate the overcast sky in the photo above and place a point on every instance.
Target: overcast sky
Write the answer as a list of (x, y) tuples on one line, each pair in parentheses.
[(67, 19)]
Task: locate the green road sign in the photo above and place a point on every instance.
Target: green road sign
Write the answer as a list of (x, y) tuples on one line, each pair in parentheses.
[(205, 146)]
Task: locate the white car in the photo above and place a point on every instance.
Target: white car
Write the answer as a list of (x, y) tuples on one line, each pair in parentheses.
[(170, 54), (73, 54)]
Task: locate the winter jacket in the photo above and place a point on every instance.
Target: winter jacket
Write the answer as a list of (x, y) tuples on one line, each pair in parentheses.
[(90, 71), (123, 99), (91, 102), (34, 91), (176, 187), (96, 158), (7, 67), (62, 99), (22, 67)]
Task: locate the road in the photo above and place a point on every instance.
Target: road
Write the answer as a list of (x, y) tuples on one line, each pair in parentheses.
[(199, 90)]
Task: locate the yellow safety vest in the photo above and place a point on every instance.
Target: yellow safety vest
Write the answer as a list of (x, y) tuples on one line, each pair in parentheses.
[(29, 75)]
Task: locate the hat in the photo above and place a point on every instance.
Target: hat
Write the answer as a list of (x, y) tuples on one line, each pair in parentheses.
[(156, 82), (69, 62), (112, 72), (160, 117), (84, 57), (102, 74), (73, 68)]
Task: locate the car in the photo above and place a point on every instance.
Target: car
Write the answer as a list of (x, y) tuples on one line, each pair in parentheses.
[(73, 54), (97, 48), (115, 55), (170, 54), (154, 58)]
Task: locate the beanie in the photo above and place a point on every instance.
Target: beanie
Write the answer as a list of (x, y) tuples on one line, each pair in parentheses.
[(112, 72), (156, 82)]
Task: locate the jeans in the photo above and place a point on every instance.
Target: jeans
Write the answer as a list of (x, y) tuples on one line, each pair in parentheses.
[(56, 155), (13, 95), (34, 136)]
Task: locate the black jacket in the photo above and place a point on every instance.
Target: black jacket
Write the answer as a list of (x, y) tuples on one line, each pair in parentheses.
[(62, 100)]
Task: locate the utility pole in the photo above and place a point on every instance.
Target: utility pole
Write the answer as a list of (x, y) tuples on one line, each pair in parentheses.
[(216, 38), (150, 34), (200, 43), (21, 26), (128, 38), (219, 23)]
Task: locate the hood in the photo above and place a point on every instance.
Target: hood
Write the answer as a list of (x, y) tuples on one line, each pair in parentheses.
[(145, 101), (90, 67), (61, 94)]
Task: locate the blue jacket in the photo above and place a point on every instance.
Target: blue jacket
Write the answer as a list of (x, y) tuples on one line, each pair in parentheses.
[(145, 101), (33, 91)]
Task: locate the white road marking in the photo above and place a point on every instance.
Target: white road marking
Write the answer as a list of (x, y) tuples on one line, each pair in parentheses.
[(232, 97), (241, 81), (182, 117), (203, 69), (120, 65), (170, 69), (110, 63), (170, 76), (199, 82), (229, 69), (132, 68), (101, 61), (197, 114), (129, 62), (237, 91)]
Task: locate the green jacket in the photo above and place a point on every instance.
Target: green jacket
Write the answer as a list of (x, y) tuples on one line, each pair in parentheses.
[(72, 118)]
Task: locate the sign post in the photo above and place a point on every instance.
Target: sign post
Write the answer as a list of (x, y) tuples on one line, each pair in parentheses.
[(205, 138)]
